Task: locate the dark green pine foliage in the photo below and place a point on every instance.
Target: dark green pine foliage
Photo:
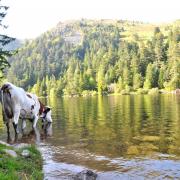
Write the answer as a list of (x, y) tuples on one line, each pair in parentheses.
[(99, 56), (4, 41)]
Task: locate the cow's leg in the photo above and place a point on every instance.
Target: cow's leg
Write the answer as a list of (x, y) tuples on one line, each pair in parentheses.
[(6, 121), (15, 128), (8, 132), (7, 125), (35, 121), (23, 126), (43, 124), (15, 121)]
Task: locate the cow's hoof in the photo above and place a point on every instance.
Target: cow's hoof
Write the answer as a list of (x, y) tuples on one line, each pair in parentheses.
[(9, 139), (16, 138)]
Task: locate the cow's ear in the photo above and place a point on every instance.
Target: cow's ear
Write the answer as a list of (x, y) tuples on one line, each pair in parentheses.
[(48, 109)]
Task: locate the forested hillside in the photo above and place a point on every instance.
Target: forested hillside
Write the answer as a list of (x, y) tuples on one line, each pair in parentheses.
[(105, 56)]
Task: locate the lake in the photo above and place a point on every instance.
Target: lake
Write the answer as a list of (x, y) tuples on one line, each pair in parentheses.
[(118, 137)]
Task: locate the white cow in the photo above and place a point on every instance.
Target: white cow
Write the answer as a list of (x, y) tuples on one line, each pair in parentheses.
[(16, 103)]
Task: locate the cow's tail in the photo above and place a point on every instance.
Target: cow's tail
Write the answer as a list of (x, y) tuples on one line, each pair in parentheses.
[(3, 109), (8, 110)]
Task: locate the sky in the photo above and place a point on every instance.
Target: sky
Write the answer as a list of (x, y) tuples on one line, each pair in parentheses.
[(30, 18)]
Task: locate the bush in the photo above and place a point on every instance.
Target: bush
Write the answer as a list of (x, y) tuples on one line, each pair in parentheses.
[(88, 93), (142, 91), (125, 92), (153, 91)]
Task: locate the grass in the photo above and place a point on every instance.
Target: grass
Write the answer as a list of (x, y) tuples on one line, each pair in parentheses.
[(21, 167)]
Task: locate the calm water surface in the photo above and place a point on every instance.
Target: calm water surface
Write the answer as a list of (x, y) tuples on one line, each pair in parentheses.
[(119, 137)]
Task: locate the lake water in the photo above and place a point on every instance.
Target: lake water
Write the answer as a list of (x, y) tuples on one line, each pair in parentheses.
[(118, 137)]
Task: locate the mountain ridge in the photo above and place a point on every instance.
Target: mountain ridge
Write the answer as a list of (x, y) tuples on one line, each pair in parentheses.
[(86, 48)]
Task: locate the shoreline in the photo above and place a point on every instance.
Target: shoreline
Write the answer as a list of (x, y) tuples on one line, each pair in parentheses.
[(153, 91), (20, 161)]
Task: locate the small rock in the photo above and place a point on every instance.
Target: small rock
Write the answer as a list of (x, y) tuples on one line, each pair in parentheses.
[(132, 150), (21, 145), (4, 143), (86, 175), (25, 153), (10, 152)]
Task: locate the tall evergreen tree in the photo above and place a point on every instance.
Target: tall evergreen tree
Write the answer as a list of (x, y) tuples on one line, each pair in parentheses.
[(4, 40)]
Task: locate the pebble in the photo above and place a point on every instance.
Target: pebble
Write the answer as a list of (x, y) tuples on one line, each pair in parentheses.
[(22, 145), (25, 153), (10, 152), (86, 175)]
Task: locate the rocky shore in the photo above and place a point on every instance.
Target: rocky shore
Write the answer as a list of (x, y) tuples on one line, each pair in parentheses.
[(20, 161)]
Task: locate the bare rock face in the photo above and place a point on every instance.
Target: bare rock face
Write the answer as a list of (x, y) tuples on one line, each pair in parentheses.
[(86, 175), (10, 153)]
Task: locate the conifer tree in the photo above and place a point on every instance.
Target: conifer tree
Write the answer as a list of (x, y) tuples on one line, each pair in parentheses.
[(4, 40)]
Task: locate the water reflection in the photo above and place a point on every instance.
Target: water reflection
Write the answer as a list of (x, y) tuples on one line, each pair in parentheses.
[(117, 136), (118, 125), (30, 135)]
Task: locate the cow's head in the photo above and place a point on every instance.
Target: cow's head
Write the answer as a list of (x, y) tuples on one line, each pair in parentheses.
[(46, 114)]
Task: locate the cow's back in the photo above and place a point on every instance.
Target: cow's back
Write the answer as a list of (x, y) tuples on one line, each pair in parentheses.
[(15, 98)]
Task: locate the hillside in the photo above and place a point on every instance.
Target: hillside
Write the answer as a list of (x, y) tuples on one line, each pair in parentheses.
[(99, 55)]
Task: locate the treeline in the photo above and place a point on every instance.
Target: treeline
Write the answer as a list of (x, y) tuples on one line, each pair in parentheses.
[(86, 57)]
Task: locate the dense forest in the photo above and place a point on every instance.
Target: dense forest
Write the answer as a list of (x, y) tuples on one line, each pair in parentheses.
[(87, 57)]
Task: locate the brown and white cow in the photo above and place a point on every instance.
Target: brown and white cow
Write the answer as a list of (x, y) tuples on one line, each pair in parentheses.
[(16, 103)]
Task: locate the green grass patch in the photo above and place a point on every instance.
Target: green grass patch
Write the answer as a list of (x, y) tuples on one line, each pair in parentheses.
[(21, 167)]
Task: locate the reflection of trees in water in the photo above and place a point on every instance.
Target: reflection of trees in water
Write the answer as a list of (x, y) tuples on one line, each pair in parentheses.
[(118, 125)]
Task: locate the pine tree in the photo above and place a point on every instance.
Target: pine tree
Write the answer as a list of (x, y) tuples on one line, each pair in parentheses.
[(119, 85), (4, 40), (158, 41), (137, 81), (149, 77), (100, 81), (161, 77)]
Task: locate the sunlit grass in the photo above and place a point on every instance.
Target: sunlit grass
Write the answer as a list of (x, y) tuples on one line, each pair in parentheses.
[(20, 167)]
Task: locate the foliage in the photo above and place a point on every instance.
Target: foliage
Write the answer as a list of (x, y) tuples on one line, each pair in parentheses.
[(4, 41), (103, 56), (153, 91)]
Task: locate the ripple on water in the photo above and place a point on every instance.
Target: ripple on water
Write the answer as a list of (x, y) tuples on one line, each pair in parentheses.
[(119, 137), (158, 167)]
